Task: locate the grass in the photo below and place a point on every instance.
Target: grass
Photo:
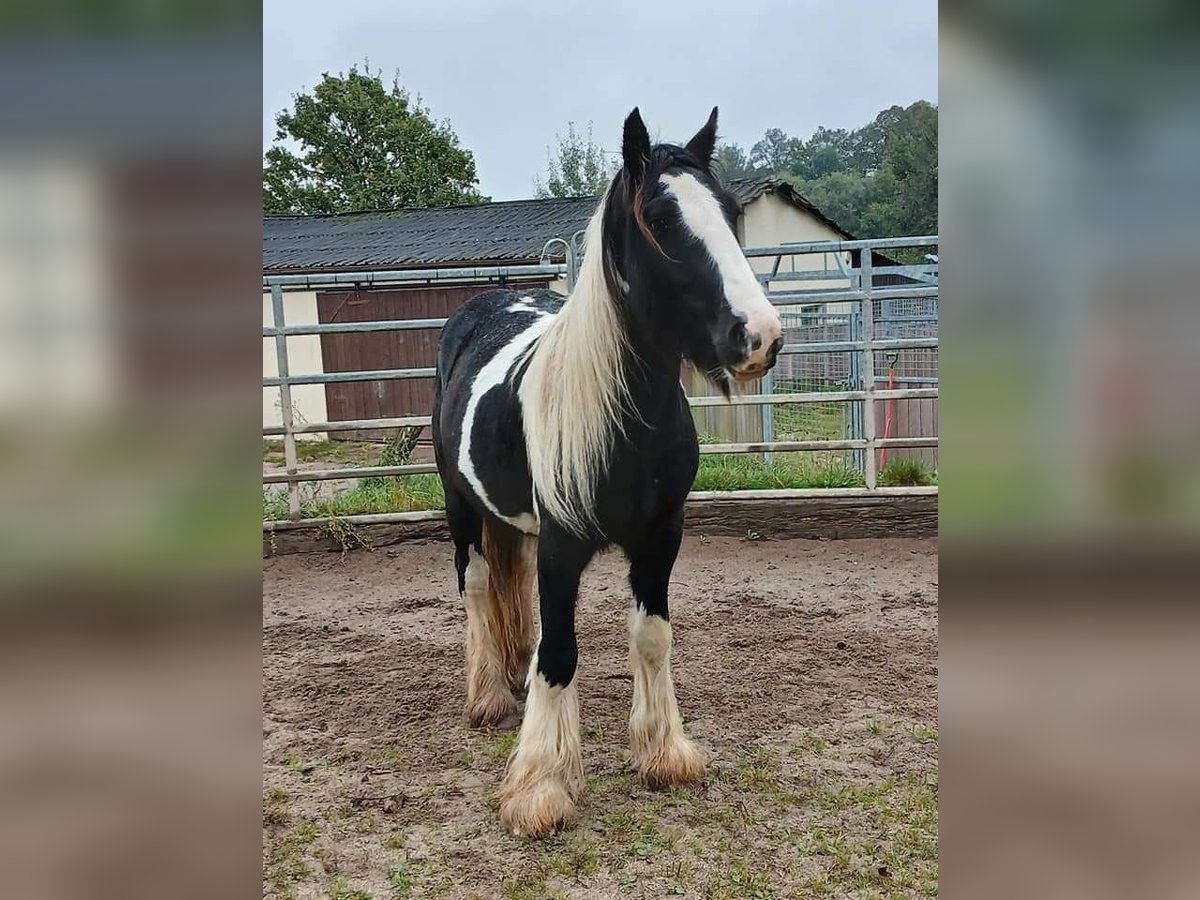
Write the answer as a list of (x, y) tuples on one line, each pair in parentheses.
[(284, 864), (907, 472), (340, 890), (743, 471), (275, 807), (741, 881), (400, 881)]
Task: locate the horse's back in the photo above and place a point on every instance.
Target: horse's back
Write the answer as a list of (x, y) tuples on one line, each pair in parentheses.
[(486, 323), (477, 428)]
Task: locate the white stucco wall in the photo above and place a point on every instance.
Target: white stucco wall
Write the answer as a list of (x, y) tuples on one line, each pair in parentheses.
[(304, 358), (771, 220)]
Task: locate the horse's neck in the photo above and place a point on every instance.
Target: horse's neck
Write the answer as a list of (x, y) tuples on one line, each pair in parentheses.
[(654, 372)]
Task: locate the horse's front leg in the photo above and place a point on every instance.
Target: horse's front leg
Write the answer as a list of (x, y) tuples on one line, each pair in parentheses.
[(662, 753), (545, 771)]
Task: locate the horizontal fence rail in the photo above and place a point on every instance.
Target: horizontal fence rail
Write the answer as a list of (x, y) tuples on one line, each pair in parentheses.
[(855, 286)]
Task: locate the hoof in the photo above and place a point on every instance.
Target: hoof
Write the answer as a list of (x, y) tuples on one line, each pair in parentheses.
[(494, 711), (536, 809), (678, 762)]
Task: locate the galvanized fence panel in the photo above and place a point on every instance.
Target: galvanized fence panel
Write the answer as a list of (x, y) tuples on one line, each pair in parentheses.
[(840, 344)]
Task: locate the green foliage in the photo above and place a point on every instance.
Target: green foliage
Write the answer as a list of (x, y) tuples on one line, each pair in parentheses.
[(744, 471), (731, 162), (363, 146), (906, 472), (880, 180), (578, 168)]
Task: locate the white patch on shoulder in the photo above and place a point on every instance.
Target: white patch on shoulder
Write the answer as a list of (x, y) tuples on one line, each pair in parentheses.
[(525, 305), (492, 374)]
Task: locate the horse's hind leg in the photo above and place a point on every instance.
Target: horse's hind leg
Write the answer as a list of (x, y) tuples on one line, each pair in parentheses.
[(490, 700), (662, 753), (545, 771), (512, 559)]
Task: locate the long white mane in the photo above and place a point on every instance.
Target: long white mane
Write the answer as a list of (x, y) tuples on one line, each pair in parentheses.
[(574, 391)]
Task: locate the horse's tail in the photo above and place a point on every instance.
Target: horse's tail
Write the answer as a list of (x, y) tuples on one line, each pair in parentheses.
[(511, 558)]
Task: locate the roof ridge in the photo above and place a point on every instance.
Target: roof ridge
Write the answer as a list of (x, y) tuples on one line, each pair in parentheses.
[(413, 209)]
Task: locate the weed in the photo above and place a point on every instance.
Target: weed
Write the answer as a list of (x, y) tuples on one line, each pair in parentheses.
[(740, 882), (906, 472), (275, 806), (523, 889), (924, 733), (295, 762), (400, 881), (284, 865), (339, 890)]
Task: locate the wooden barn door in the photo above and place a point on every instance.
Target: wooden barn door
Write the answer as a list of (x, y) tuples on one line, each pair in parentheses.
[(410, 349)]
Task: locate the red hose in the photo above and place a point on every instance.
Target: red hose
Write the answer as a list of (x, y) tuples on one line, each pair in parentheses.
[(888, 416)]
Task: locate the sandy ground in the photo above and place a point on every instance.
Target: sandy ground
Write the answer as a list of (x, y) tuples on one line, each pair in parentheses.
[(806, 670)]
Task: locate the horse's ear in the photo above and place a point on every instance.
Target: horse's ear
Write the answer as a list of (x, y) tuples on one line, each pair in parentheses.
[(705, 141), (635, 145)]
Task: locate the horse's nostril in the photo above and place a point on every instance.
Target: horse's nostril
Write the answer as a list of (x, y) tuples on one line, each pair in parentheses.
[(755, 342)]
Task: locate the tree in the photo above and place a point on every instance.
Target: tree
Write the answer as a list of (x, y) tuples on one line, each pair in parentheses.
[(731, 162), (578, 168), (363, 146), (880, 180), (777, 152)]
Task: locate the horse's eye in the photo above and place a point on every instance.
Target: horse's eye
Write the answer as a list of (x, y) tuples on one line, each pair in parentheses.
[(660, 224)]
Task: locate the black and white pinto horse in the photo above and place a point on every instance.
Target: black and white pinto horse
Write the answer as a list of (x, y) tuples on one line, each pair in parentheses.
[(560, 427)]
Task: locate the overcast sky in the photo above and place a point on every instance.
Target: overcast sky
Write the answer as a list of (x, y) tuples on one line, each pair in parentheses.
[(509, 74)]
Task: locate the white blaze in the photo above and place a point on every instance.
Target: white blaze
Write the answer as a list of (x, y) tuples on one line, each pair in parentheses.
[(703, 216)]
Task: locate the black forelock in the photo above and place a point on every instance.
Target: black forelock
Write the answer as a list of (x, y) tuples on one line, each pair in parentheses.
[(626, 197)]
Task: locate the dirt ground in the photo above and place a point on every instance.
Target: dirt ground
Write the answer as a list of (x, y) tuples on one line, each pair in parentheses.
[(806, 670)]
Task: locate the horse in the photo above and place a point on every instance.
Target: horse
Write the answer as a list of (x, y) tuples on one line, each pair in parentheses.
[(560, 427)]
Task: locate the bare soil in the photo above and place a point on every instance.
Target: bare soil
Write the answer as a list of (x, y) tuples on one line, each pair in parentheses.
[(807, 670)]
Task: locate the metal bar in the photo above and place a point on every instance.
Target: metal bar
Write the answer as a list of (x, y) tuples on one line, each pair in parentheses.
[(821, 347), (870, 474), (843, 346), (767, 415), (807, 247), (435, 515), (368, 277), (353, 425), (913, 343), (815, 397), (813, 493), (352, 327), (361, 472), (906, 442), (337, 377), (285, 400), (429, 468), (736, 400), (814, 298), (781, 446)]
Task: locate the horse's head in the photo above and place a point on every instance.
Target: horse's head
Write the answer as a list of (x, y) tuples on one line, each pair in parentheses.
[(672, 251)]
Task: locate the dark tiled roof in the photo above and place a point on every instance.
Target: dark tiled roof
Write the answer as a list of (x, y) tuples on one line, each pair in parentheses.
[(491, 233)]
